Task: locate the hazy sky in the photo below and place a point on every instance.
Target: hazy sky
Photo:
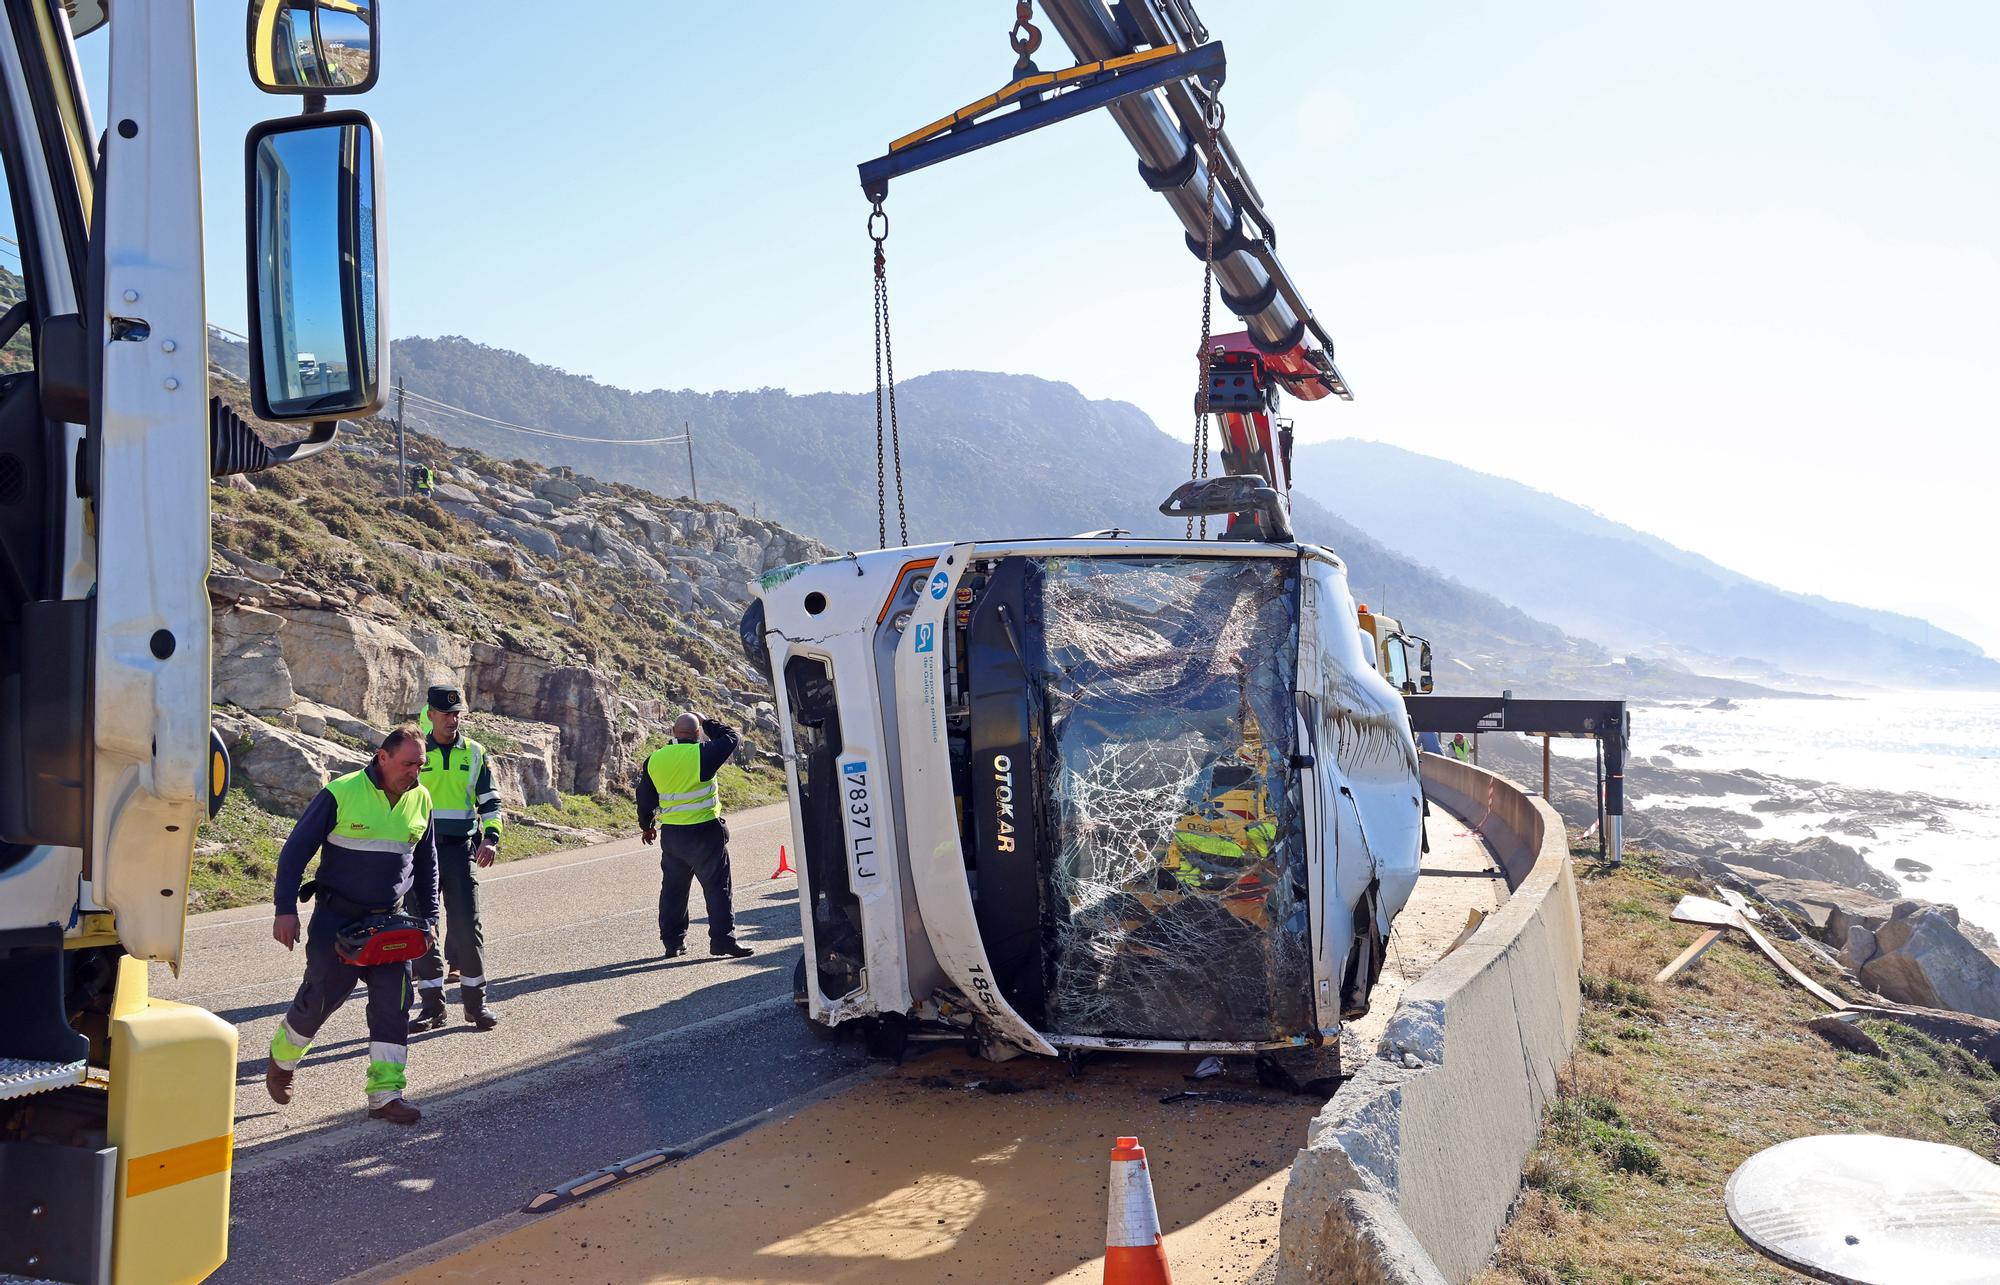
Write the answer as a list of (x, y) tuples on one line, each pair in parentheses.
[(1725, 272)]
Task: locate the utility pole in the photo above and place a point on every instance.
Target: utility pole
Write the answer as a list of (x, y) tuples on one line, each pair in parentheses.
[(694, 488), (402, 453)]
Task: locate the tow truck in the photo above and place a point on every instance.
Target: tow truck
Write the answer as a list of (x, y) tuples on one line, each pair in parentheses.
[(1402, 658), (116, 1109), (1073, 794)]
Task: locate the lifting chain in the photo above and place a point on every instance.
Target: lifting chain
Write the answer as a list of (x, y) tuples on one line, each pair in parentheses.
[(1198, 465), (1024, 39), (885, 360)]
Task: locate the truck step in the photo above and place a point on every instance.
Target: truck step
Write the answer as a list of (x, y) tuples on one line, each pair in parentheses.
[(20, 1076)]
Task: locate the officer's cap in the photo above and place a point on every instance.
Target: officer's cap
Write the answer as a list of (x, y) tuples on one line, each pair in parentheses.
[(447, 700)]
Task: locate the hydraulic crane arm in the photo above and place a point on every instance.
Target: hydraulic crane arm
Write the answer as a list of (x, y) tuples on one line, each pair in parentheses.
[(1151, 65), (1168, 130)]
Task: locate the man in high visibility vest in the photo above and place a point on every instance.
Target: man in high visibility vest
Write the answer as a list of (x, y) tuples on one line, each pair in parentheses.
[(371, 831), (1199, 859), (1461, 749), (465, 807), (677, 789)]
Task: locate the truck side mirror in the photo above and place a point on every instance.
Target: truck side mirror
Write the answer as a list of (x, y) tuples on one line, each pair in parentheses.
[(318, 325), (313, 46)]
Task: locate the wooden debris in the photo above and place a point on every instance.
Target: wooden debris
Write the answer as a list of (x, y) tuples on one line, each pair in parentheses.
[(1692, 953), (1473, 918), (1714, 914)]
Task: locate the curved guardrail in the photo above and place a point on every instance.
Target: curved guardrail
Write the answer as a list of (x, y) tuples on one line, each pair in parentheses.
[(1409, 1172)]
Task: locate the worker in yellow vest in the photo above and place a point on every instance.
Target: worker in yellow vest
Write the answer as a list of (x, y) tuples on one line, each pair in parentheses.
[(465, 806), (371, 831), (680, 805)]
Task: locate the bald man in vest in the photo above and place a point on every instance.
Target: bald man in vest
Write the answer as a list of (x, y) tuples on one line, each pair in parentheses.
[(681, 806)]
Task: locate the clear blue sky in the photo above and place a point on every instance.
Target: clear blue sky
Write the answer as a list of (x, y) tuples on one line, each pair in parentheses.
[(1726, 272)]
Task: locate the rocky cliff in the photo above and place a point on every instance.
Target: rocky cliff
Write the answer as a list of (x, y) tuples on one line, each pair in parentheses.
[(578, 616)]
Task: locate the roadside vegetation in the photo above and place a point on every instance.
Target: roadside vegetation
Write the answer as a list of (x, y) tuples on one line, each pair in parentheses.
[(1674, 1086), (236, 856)]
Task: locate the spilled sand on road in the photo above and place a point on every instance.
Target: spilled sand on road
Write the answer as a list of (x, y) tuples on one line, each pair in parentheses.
[(951, 1168), (946, 1168)]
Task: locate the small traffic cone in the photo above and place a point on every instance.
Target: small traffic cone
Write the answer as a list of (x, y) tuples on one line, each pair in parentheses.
[(784, 866), (1133, 1254)]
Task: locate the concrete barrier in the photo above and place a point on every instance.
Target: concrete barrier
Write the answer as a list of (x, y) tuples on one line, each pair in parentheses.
[(1408, 1174)]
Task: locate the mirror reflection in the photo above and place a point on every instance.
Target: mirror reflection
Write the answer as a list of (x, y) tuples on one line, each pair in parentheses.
[(312, 46), (314, 238)]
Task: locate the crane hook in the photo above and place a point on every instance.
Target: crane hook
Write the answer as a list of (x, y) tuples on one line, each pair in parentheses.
[(1024, 39)]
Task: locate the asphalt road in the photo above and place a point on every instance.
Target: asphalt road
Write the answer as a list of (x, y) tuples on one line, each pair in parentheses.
[(605, 1050)]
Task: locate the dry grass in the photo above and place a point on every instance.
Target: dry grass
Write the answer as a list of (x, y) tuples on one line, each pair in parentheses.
[(1674, 1086)]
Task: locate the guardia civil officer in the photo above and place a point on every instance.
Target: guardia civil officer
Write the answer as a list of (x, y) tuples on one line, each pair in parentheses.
[(371, 831), (465, 808), (678, 784)]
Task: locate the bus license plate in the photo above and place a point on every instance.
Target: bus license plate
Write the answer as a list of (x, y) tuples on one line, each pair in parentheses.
[(860, 818)]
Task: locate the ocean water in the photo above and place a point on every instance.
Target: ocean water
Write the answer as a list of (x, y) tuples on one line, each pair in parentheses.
[(1943, 744)]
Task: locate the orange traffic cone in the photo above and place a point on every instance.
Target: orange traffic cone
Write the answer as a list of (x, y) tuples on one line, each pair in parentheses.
[(1133, 1254), (784, 866)]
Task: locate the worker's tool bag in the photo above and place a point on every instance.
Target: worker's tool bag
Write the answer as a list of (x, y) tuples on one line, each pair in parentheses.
[(382, 939)]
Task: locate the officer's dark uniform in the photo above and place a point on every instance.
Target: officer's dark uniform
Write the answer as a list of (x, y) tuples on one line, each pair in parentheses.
[(694, 839), (374, 856), (465, 807)]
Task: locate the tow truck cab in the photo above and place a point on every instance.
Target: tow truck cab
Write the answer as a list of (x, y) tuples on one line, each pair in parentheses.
[(1403, 659), (1086, 793), (117, 1109)]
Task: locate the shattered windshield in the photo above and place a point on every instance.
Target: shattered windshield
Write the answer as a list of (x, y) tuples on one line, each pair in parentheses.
[(1177, 888)]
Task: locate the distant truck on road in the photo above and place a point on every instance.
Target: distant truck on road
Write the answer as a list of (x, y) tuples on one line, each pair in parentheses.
[(1402, 658)]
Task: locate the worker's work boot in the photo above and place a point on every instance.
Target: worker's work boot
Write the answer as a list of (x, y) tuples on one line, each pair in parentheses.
[(432, 1016), (395, 1111), (673, 950), (476, 1011), (278, 1083), (730, 949)]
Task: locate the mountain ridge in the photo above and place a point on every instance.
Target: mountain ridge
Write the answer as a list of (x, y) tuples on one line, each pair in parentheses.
[(986, 455), (1596, 576)]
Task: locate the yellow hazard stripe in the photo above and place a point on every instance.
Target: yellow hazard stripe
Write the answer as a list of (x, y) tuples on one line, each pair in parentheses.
[(976, 109), (177, 1165)]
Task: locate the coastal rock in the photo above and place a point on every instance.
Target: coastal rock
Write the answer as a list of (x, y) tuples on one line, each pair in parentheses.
[(1978, 1036), (557, 490), (248, 661), (581, 701), (284, 768), (1921, 958), (1910, 863), (1818, 858), (1821, 903), (315, 719), (354, 663), (251, 567), (524, 757), (1844, 1035)]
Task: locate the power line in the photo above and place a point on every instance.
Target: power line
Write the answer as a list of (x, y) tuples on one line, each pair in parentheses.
[(439, 404), (543, 432)]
